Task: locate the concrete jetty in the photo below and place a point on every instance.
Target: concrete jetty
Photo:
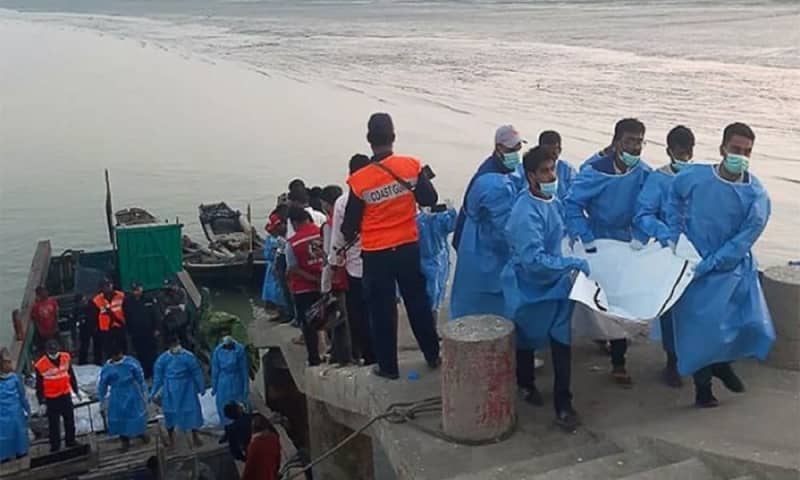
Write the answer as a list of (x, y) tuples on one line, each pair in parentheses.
[(647, 432)]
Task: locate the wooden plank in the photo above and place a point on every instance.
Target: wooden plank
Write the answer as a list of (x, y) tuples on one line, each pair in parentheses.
[(191, 288), (36, 277)]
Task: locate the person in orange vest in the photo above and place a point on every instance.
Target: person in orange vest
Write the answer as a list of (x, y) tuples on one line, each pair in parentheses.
[(107, 308), (382, 208), (55, 380)]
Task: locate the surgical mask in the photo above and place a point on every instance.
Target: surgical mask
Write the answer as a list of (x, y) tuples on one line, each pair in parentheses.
[(736, 164), (175, 350), (549, 188), (511, 160), (679, 164), (628, 159), (52, 356), (117, 362), (227, 340)]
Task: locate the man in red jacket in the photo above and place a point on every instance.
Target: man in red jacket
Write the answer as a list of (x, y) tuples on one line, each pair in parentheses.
[(264, 451), (44, 314), (305, 258)]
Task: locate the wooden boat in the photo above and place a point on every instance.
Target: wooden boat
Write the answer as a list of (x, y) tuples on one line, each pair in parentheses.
[(225, 226)]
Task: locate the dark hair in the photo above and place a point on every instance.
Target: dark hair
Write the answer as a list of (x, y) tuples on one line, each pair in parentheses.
[(740, 129), (628, 125), (680, 136), (357, 162), (261, 423), (298, 214), (231, 410), (281, 210), (380, 130), (331, 193), (535, 157), (172, 338), (296, 184), (117, 346), (549, 137), (315, 191), (299, 196)]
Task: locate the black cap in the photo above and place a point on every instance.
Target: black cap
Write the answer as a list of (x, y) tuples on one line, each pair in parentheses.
[(380, 123)]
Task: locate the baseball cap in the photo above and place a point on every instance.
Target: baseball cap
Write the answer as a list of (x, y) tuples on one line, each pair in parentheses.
[(507, 136), (275, 221)]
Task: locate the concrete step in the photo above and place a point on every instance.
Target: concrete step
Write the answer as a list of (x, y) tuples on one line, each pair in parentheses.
[(691, 469), (612, 466), (545, 463)]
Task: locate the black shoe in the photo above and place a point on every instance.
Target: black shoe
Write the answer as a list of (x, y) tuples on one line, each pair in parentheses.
[(126, 444), (390, 376), (704, 398), (671, 377), (729, 378), (73, 444), (531, 396), (568, 419), (435, 363)]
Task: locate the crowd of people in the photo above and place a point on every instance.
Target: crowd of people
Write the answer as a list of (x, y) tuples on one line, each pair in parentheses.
[(385, 239), (352, 255)]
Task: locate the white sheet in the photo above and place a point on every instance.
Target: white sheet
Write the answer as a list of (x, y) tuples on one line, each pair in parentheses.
[(628, 287)]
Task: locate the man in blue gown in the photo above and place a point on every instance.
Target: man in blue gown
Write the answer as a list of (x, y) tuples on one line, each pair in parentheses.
[(230, 375), (505, 158), (178, 383), (126, 410), (434, 227), (14, 412), (651, 218), (602, 202), (537, 281), (722, 316)]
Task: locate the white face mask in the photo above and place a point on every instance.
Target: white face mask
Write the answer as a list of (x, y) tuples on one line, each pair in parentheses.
[(52, 356), (175, 350)]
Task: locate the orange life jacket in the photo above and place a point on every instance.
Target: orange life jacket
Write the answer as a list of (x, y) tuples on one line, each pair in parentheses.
[(390, 209), (55, 379), (105, 321)]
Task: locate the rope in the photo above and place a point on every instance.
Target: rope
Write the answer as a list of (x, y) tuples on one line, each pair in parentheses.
[(396, 413)]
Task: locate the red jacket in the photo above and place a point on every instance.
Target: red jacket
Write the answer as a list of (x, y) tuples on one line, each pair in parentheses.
[(263, 457), (306, 245), (45, 317)]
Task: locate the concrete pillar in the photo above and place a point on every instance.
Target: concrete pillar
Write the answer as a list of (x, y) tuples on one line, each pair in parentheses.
[(478, 379), (352, 461), (782, 291)]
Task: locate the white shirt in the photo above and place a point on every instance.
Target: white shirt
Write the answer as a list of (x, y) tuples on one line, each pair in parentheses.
[(318, 218), (352, 261)]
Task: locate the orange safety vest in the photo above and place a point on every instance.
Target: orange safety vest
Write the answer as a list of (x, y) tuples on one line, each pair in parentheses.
[(55, 379), (105, 321), (390, 209)]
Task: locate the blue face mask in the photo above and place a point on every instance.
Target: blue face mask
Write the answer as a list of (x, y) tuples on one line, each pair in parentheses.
[(628, 159), (549, 188), (736, 164), (678, 165), (511, 160)]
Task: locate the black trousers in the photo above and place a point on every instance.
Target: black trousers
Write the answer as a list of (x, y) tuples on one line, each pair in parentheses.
[(58, 408), (562, 373), (384, 271), (146, 349), (619, 347), (702, 377), (360, 331), (302, 302), (89, 337), (341, 342)]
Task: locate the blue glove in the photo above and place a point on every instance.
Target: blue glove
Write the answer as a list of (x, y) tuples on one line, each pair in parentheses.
[(582, 265), (704, 267)]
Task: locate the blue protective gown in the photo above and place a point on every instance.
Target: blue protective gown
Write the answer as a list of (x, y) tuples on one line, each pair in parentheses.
[(434, 252), (127, 409), (565, 173), (493, 164), (230, 378), (602, 203), (651, 219), (14, 413), (179, 379), (483, 251), (722, 316), (272, 291), (537, 279)]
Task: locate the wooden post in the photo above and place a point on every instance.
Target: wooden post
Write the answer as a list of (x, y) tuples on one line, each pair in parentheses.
[(37, 276)]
